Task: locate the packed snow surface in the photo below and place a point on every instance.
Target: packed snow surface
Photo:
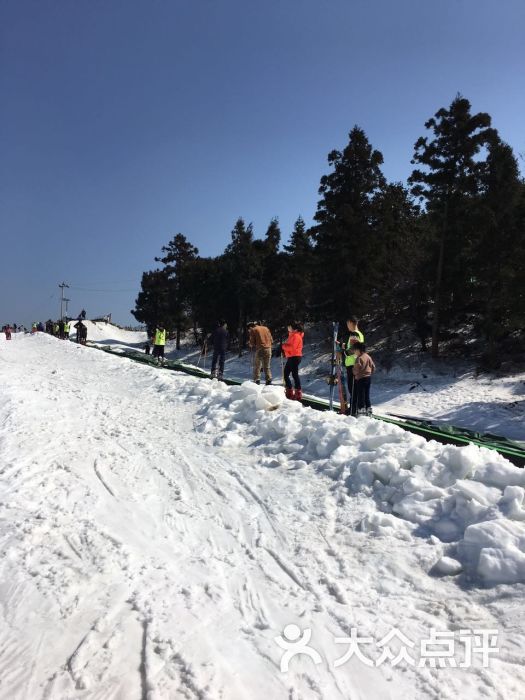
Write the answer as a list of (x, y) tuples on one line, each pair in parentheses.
[(169, 537)]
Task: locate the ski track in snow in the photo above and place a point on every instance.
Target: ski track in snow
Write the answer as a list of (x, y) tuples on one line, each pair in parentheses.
[(143, 556)]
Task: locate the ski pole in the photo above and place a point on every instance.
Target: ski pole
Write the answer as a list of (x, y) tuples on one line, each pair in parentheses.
[(200, 356)]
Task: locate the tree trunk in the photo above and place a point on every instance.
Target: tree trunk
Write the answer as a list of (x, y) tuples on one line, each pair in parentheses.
[(437, 298), (195, 334), (178, 338), (240, 332), (439, 284)]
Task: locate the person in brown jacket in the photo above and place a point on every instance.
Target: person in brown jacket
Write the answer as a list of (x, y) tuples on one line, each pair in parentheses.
[(363, 369), (260, 339)]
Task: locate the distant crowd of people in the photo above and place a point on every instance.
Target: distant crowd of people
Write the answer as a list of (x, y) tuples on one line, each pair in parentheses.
[(62, 328), (59, 329), (351, 354), (8, 329)]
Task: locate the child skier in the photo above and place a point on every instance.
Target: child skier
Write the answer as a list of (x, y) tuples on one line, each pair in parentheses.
[(363, 369), (293, 351)]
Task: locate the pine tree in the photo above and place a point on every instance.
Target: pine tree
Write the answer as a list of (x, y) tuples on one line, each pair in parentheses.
[(344, 216), (396, 254), (152, 306), (298, 269), (450, 185), (179, 254), (244, 265), (208, 295), (273, 276), (498, 253), (272, 237)]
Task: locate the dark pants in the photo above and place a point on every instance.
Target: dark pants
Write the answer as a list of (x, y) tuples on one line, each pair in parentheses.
[(363, 392), (158, 351), (219, 356), (352, 392), (292, 367)]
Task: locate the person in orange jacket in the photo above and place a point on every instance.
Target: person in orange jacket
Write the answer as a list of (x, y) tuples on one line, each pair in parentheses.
[(293, 351)]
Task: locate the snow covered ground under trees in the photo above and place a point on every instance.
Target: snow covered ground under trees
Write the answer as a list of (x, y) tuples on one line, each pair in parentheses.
[(159, 533), (446, 390)]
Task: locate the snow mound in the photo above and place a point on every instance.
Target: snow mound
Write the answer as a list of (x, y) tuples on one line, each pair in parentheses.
[(107, 334), (469, 498)]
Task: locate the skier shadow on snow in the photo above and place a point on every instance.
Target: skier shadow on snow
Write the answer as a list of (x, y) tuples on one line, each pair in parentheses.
[(113, 341), (494, 417)]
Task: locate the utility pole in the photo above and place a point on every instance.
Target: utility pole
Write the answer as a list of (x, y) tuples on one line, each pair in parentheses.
[(62, 287), (66, 302)]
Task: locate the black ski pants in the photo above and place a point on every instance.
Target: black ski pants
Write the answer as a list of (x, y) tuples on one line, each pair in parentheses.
[(363, 392), (292, 367), (219, 356)]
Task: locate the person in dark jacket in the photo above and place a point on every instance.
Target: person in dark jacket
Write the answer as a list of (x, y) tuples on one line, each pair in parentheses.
[(219, 339), (81, 332)]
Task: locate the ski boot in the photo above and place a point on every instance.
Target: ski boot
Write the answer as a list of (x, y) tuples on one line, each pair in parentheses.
[(258, 381), (213, 374), (290, 394), (268, 382), (369, 412), (298, 394)]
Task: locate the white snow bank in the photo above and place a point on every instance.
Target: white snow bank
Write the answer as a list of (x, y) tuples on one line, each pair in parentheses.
[(468, 497), (107, 334)]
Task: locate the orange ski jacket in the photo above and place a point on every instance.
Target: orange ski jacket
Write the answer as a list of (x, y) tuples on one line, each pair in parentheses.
[(294, 345)]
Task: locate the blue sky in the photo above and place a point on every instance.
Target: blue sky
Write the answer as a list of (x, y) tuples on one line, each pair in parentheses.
[(124, 122)]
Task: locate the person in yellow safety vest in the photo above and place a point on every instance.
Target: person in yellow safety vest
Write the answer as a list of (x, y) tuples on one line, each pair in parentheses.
[(55, 329), (355, 337), (159, 343), (67, 327)]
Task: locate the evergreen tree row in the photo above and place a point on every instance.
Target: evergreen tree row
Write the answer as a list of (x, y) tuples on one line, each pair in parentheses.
[(444, 252)]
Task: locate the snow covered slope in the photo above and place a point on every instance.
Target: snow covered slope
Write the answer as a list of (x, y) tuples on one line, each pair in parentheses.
[(108, 334), (159, 532)]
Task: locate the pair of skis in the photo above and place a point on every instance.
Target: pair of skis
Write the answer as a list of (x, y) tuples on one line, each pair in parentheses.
[(336, 375)]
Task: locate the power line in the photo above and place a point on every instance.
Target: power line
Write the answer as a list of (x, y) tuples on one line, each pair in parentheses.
[(106, 291)]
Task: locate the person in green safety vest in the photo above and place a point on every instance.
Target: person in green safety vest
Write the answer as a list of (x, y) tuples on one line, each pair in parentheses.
[(355, 336), (159, 342), (67, 328)]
